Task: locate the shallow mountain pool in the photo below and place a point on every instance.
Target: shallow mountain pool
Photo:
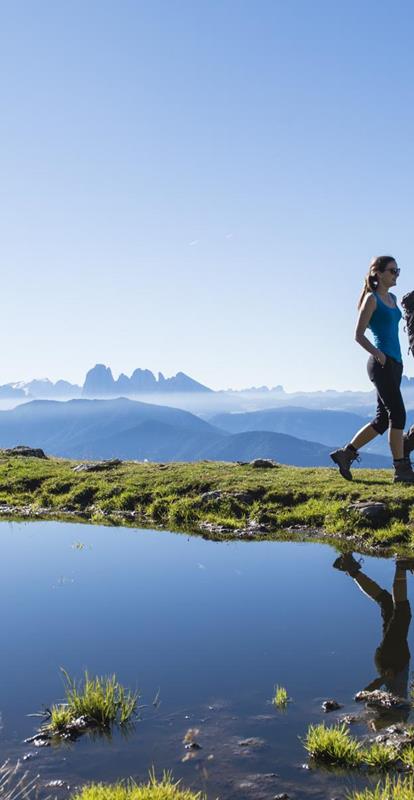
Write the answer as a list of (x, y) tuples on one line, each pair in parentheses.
[(205, 629)]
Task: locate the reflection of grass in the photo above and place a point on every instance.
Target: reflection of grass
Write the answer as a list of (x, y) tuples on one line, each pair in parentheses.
[(103, 700), (333, 745), (400, 789), (281, 697), (13, 785), (164, 789)]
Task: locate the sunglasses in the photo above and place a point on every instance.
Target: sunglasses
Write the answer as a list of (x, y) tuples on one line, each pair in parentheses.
[(394, 270)]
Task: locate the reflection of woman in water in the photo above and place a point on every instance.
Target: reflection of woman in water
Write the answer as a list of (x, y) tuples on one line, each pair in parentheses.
[(392, 657)]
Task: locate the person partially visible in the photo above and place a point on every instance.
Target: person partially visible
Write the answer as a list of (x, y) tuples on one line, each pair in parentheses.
[(378, 310)]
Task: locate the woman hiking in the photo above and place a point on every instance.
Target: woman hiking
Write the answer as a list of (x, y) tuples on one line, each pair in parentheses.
[(378, 311)]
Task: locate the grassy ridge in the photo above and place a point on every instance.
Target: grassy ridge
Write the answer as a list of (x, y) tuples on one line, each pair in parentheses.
[(171, 495)]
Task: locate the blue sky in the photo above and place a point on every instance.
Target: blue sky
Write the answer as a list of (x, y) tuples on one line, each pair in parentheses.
[(200, 186)]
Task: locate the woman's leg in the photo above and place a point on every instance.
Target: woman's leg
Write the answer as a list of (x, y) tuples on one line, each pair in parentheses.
[(399, 587), (396, 440), (363, 436), (387, 381), (390, 414), (368, 586)]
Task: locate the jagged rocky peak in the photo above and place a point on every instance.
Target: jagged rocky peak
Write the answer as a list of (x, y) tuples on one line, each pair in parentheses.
[(99, 381), (142, 380)]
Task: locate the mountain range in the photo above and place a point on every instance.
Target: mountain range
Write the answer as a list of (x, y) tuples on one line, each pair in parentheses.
[(99, 382), (131, 429)]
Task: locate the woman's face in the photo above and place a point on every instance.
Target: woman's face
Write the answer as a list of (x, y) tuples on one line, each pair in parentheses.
[(389, 276)]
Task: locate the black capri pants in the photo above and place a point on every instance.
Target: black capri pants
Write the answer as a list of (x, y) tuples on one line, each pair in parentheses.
[(390, 404)]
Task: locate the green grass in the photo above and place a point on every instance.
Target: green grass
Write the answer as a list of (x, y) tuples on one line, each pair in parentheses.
[(171, 496), (281, 697), (164, 789), (379, 756), (333, 745), (407, 757), (391, 789), (102, 699)]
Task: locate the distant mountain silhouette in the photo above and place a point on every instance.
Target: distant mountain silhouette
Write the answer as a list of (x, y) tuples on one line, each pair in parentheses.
[(327, 427), (99, 382), (135, 430), (281, 447), (315, 425)]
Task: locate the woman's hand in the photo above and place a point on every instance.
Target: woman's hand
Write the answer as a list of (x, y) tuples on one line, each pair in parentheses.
[(380, 357)]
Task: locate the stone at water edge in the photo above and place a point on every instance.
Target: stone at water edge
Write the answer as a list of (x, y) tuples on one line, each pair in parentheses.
[(331, 705), (381, 699)]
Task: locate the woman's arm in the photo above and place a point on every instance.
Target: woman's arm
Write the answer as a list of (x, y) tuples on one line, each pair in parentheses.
[(367, 309)]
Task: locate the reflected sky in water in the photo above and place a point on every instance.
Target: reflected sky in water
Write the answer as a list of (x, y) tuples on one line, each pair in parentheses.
[(212, 626)]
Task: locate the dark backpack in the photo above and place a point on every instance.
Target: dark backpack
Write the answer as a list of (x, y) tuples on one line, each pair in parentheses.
[(407, 303)]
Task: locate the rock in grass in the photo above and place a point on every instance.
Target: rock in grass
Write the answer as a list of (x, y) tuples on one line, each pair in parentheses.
[(396, 737), (24, 450), (374, 512), (263, 463), (98, 466), (331, 705), (213, 495), (247, 495)]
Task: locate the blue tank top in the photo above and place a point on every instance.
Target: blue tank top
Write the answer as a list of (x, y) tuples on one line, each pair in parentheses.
[(384, 326)]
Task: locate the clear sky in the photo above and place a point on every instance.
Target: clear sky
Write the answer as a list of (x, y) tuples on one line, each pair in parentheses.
[(199, 185)]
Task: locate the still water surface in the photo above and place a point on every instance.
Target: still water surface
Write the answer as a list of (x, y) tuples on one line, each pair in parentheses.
[(211, 626)]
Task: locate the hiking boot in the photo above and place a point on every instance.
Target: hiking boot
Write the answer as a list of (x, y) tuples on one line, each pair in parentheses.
[(344, 458), (403, 471), (408, 439), (347, 563)]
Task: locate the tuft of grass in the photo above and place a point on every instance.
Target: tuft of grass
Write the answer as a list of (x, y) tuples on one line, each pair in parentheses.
[(281, 697), (333, 745), (379, 756), (102, 699), (164, 789), (391, 789), (407, 757), (60, 717)]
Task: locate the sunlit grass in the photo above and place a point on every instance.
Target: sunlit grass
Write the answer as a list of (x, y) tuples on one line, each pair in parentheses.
[(281, 697), (392, 789), (379, 756), (171, 494), (407, 757), (333, 745), (101, 699), (164, 789)]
